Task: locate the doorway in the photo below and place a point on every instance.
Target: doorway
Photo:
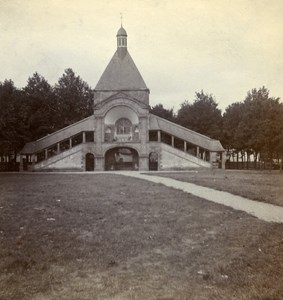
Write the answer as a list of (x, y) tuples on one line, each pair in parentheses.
[(153, 161), (89, 162), (122, 158)]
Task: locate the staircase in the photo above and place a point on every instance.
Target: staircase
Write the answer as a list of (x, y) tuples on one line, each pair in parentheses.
[(173, 158), (69, 160)]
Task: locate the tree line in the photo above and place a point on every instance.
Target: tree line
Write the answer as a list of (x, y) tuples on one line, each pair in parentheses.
[(253, 126), (39, 109)]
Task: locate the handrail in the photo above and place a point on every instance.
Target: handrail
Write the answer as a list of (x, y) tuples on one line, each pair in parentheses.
[(65, 133)]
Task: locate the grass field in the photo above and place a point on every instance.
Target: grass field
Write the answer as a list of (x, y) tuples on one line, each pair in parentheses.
[(108, 236), (264, 186)]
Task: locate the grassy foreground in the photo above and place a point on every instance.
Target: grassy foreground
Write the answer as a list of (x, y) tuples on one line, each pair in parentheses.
[(112, 237), (265, 186)]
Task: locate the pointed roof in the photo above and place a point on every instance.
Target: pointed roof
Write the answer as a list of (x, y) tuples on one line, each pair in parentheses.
[(121, 72)]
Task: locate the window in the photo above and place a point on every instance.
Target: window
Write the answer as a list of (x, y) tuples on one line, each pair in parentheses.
[(123, 126)]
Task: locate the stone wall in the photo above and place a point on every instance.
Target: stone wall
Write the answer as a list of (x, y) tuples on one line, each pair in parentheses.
[(172, 158)]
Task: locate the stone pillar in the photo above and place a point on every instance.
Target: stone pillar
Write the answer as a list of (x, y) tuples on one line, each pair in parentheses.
[(70, 143), (172, 140), (83, 136), (211, 157), (185, 146), (99, 163), (58, 148), (223, 159), (143, 163), (99, 135), (159, 136), (21, 163), (45, 153), (33, 160), (143, 155), (197, 152)]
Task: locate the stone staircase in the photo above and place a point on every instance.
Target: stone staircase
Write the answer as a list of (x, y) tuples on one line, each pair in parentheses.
[(172, 157)]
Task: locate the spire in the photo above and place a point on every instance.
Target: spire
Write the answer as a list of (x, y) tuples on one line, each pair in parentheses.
[(122, 41)]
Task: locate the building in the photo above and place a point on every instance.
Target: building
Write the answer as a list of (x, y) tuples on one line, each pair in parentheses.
[(122, 134)]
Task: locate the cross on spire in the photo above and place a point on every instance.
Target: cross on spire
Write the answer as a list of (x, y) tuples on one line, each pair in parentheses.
[(121, 16)]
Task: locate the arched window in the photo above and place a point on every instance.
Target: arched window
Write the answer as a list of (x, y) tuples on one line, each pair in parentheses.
[(123, 126)]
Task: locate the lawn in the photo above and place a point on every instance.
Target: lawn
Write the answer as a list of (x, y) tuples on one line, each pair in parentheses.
[(265, 186), (102, 236)]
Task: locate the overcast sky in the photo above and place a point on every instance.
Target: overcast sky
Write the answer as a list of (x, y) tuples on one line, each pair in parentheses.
[(224, 47)]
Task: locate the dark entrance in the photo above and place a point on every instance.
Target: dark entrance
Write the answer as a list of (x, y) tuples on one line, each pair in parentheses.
[(89, 162), (123, 158), (153, 161)]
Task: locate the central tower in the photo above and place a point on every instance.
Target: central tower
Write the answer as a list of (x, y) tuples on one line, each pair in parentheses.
[(121, 75), (121, 113)]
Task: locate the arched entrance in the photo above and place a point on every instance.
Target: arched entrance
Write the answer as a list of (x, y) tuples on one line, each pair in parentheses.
[(121, 158), (153, 161), (89, 162)]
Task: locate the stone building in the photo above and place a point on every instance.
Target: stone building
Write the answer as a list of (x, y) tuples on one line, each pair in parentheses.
[(122, 134)]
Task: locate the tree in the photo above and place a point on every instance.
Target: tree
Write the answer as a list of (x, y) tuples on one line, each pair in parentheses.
[(12, 130), (75, 98), (202, 116), (231, 120), (162, 112), (40, 107), (255, 125)]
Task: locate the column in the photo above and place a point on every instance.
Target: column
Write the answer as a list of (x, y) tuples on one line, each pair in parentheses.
[(197, 151), (33, 160), (21, 163), (172, 140), (45, 154), (185, 146), (159, 136), (223, 160), (70, 143), (83, 136), (58, 148)]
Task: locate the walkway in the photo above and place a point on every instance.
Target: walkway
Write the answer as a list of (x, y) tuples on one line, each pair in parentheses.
[(263, 211)]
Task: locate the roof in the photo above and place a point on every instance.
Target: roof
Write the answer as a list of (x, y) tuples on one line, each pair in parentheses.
[(121, 74), (59, 135), (157, 123), (122, 31)]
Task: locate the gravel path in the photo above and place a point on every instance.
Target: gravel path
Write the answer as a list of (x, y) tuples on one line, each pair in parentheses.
[(263, 211)]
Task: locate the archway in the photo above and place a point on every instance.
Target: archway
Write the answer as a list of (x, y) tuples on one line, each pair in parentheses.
[(89, 162), (121, 158), (153, 161)]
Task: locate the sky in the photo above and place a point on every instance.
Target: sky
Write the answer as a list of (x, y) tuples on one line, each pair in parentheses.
[(223, 47)]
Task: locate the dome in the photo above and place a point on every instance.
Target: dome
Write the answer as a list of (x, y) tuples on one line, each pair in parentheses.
[(122, 32)]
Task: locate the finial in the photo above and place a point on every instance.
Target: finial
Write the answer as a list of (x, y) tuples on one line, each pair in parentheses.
[(121, 16)]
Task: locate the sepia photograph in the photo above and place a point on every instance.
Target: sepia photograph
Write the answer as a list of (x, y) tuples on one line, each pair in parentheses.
[(141, 150)]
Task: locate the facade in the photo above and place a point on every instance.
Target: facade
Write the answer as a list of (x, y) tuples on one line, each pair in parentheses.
[(122, 134)]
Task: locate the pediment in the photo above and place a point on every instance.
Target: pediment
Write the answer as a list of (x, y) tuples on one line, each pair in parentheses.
[(119, 97)]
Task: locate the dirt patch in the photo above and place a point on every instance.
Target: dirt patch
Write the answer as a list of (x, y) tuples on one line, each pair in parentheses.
[(114, 237)]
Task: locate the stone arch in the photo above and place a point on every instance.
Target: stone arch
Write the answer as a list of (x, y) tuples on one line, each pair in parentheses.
[(124, 100), (89, 162), (121, 111), (121, 158)]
